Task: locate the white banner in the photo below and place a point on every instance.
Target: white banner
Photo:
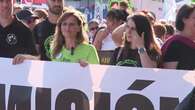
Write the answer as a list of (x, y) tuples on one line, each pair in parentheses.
[(38, 85)]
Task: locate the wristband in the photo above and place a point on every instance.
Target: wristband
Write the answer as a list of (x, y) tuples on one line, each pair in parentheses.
[(141, 50)]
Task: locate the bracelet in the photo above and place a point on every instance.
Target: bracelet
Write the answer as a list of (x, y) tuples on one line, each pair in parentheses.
[(141, 50)]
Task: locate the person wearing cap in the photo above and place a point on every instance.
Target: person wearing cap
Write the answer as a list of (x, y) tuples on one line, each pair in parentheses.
[(46, 28), (28, 18), (15, 38)]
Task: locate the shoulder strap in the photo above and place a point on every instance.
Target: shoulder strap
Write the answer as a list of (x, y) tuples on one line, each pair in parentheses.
[(97, 32), (119, 53)]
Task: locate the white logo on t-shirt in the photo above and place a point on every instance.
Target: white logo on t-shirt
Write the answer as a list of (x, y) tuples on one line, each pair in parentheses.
[(11, 39)]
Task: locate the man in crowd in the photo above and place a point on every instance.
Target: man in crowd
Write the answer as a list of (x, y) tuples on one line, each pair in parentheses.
[(15, 37), (47, 27), (28, 18)]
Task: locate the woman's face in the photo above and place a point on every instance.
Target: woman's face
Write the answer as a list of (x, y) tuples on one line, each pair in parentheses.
[(129, 29), (93, 27), (190, 23), (70, 27)]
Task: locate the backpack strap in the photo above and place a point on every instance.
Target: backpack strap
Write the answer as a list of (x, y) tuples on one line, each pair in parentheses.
[(119, 53)]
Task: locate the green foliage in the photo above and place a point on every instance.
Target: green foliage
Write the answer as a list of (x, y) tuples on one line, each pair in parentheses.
[(130, 4)]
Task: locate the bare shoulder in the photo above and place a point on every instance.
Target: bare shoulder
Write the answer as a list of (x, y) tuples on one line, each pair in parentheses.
[(101, 34)]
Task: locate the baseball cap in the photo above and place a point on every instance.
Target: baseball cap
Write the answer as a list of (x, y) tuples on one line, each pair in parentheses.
[(26, 15)]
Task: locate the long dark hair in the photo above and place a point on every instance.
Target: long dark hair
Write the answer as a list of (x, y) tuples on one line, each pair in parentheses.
[(143, 24)]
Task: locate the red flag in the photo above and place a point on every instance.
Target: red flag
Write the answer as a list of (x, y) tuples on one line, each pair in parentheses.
[(39, 1), (33, 1)]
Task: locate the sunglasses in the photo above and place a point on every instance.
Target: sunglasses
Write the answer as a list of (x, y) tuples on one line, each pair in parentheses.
[(30, 21), (93, 28)]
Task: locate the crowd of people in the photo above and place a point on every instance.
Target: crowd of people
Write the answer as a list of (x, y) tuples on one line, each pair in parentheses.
[(125, 38)]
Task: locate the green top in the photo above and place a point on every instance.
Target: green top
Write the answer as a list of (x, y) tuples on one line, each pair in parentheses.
[(130, 3), (83, 51)]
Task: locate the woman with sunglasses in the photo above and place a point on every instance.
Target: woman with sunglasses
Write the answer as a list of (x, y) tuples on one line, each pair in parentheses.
[(93, 27)]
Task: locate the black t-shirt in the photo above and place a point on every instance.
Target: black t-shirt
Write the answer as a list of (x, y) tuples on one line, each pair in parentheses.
[(131, 58), (15, 39), (180, 49), (41, 32)]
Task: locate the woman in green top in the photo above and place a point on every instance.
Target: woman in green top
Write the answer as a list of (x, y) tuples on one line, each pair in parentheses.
[(70, 42)]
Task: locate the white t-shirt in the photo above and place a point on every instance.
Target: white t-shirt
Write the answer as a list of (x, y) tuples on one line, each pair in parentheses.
[(108, 43)]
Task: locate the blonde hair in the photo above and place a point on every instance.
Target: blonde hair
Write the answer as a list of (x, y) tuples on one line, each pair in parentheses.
[(59, 41)]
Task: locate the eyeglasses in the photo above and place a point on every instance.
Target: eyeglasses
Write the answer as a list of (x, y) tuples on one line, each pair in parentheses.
[(93, 28)]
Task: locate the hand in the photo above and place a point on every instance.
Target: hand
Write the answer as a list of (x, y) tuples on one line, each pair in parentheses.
[(18, 59), (139, 40), (83, 63)]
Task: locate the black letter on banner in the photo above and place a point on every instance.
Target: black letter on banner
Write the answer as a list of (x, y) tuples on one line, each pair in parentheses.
[(43, 99), (2, 96), (168, 103), (69, 96), (102, 101), (130, 101), (20, 96)]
